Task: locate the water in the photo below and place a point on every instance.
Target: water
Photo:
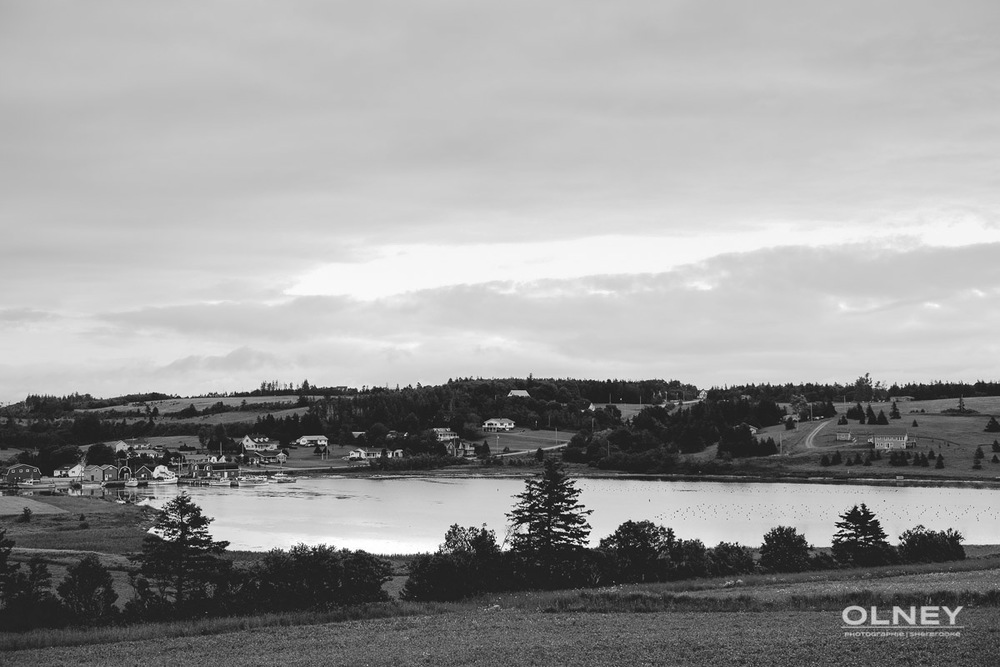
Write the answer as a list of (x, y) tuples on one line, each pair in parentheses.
[(409, 515)]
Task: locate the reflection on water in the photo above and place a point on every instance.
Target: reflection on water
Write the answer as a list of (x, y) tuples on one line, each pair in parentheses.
[(407, 515)]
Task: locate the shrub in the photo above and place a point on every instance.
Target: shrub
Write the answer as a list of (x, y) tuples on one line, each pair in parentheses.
[(920, 545), (25, 516)]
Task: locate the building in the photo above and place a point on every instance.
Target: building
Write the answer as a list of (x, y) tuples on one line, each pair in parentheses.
[(498, 424), (72, 472), (445, 435), (366, 455), (259, 443), (518, 393), (890, 439), (313, 441), (844, 436), (98, 474), (20, 472), (461, 449)]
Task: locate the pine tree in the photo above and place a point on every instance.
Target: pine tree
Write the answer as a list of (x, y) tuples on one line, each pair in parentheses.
[(940, 462), (870, 415), (979, 454), (180, 558), (992, 426), (882, 419), (548, 522), (860, 539), (88, 592), (894, 411)]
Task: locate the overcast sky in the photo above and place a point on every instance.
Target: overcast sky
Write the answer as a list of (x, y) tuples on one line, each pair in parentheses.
[(198, 196)]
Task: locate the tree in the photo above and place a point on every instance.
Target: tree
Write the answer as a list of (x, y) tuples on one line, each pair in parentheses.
[(940, 462), (88, 593), (894, 411), (860, 539), (992, 426), (640, 551), (979, 455), (881, 419), (870, 415), (548, 523), (180, 557), (100, 454), (784, 550)]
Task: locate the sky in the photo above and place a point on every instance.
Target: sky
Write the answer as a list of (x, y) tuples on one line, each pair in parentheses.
[(200, 196)]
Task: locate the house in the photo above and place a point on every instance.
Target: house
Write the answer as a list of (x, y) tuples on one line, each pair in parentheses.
[(313, 441), (366, 455), (136, 471), (72, 472), (890, 439), (461, 449), (498, 424), (445, 435), (102, 473), (215, 469), (844, 436), (750, 427), (266, 457), (20, 472), (518, 393), (259, 443)]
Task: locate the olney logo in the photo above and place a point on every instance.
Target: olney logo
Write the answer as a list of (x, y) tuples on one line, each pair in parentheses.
[(921, 617)]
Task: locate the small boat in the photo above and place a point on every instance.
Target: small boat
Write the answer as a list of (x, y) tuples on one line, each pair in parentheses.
[(220, 481), (251, 480), (131, 483), (161, 481), (282, 478)]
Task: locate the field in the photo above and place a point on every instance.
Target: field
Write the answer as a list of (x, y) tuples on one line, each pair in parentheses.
[(176, 404), (492, 635)]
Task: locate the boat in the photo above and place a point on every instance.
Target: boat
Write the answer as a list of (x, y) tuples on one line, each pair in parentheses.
[(251, 480), (36, 484), (220, 481), (282, 478), (161, 481), (131, 483)]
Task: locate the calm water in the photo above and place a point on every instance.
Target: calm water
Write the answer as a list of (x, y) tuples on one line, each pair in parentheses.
[(412, 514)]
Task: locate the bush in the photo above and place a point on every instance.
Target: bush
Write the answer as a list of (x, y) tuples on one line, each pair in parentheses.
[(920, 545), (728, 558), (25, 516)]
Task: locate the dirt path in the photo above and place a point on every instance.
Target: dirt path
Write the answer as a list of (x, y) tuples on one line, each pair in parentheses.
[(809, 442)]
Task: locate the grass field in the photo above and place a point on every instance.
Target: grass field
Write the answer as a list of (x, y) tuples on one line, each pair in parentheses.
[(491, 636), (176, 404)]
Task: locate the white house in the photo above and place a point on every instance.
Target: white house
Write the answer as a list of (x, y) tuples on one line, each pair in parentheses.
[(890, 439), (498, 424), (365, 455), (445, 435), (844, 436), (518, 393), (73, 472), (259, 443), (313, 441)]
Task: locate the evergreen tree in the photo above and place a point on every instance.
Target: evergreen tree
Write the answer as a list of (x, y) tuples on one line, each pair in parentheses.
[(882, 419), (180, 559), (870, 415), (549, 524), (860, 539), (894, 411), (88, 593), (940, 462), (992, 426)]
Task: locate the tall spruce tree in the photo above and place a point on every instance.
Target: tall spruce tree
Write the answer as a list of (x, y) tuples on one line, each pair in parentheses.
[(859, 539), (180, 559), (548, 522)]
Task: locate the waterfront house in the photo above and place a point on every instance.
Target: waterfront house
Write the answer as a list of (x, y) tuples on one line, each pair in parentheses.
[(102, 473), (72, 472), (19, 472)]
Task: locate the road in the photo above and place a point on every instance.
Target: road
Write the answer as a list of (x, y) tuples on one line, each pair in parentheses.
[(809, 441)]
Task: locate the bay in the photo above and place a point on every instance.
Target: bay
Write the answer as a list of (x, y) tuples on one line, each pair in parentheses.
[(411, 514)]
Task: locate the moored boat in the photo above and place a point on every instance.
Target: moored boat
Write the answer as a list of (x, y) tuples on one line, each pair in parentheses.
[(281, 478)]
